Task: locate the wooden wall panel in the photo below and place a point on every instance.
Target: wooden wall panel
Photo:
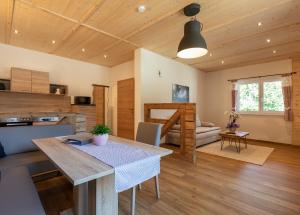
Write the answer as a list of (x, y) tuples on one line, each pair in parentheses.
[(186, 112), (296, 102), (99, 101), (13, 102)]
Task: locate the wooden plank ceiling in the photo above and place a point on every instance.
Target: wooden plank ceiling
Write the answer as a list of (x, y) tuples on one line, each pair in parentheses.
[(106, 32)]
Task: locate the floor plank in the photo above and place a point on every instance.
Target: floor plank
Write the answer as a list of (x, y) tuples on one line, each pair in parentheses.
[(215, 185)]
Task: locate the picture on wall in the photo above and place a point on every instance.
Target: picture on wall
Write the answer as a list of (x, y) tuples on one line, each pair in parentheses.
[(180, 93)]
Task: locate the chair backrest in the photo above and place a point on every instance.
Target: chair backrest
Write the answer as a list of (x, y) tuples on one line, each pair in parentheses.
[(149, 133), (19, 139)]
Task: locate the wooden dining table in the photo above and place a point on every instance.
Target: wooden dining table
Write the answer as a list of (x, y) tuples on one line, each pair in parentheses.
[(93, 181)]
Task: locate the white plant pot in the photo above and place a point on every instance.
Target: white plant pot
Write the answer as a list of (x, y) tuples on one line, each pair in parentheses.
[(232, 130), (100, 140)]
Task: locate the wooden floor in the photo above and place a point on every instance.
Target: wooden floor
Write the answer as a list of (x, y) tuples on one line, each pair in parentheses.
[(215, 185)]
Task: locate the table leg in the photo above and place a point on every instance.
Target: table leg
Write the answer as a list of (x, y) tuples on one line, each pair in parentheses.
[(239, 145), (103, 198), (80, 194), (222, 142), (245, 142), (236, 146), (80, 198)]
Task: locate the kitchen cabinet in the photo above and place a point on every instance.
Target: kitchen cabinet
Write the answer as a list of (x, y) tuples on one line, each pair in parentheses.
[(20, 80), (40, 82), (23, 80)]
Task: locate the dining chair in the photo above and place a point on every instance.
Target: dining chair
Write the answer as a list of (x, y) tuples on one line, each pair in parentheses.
[(148, 133)]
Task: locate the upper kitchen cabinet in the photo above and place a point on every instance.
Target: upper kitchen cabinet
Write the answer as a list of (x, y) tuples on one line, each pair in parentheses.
[(23, 80), (39, 82), (20, 80)]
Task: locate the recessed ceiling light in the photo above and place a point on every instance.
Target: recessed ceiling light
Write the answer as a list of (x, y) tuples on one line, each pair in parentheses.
[(141, 8), (268, 40), (105, 56), (83, 49), (259, 24), (16, 31), (222, 62), (274, 51), (53, 41), (210, 54)]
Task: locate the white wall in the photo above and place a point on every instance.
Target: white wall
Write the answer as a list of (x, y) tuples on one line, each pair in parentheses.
[(117, 73), (151, 88), (218, 100), (78, 75)]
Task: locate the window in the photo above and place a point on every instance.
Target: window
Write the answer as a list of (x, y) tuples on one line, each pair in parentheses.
[(273, 97), (260, 96), (248, 97)]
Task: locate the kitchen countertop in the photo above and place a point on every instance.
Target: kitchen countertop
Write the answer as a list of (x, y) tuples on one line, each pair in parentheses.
[(39, 114)]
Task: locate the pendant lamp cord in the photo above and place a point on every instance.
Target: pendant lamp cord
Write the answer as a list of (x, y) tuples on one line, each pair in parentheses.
[(195, 18)]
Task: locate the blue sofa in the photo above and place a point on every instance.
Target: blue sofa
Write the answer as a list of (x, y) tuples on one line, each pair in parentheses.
[(18, 195)]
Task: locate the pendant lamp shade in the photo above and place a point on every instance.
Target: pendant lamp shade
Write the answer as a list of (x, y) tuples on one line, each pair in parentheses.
[(192, 44)]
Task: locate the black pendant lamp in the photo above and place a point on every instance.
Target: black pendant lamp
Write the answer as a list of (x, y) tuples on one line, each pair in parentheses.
[(192, 45)]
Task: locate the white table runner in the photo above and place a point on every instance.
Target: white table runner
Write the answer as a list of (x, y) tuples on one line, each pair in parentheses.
[(132, 165)]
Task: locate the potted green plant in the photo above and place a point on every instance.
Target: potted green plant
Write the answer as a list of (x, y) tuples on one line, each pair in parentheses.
[(100, 133)]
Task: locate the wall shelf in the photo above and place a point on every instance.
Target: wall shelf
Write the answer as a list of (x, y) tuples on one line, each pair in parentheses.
[(63, 89), (4, 83)]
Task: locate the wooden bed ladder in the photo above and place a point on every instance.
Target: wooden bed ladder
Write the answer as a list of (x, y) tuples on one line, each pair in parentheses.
[(186, 114)]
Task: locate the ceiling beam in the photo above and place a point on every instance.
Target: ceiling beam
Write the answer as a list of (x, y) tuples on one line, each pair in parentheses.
[(145, 26), (76, 22), (83, 19)]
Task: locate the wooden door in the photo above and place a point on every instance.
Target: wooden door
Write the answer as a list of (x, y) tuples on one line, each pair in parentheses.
[(20, 80), (99, 101), (40, 82), (125, 115)]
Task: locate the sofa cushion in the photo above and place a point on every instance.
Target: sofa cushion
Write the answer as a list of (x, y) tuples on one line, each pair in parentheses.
[(19, 139), (200, 130), (207, 124), (18, 195), (176, 128), (22, 159)]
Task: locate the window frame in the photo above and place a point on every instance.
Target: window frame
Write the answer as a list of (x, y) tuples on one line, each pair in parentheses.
[(260, 82)]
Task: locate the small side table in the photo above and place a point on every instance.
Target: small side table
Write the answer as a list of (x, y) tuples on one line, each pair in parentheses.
[(236, 137)]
